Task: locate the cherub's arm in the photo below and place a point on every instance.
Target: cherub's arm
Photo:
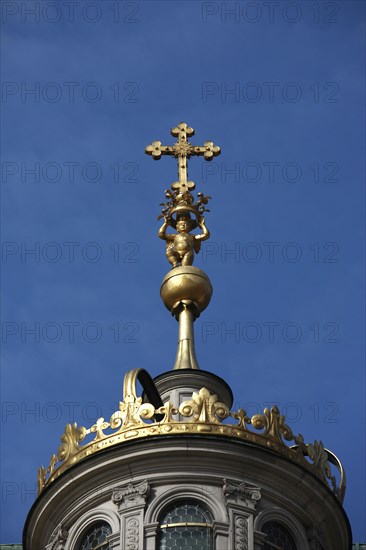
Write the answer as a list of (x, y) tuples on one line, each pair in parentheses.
[(162, 231), (205, 232)]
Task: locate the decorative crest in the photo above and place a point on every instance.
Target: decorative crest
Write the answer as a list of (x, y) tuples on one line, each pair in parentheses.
[(181, 205)]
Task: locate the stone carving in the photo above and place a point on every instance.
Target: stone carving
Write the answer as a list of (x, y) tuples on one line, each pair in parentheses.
[(58, 539), (242, 492), (240, 533), (133, 494), (131, 499), (132, 534)]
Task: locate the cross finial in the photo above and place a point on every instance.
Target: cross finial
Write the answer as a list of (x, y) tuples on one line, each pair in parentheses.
[(182, 150), (181, 211), (186, 290)]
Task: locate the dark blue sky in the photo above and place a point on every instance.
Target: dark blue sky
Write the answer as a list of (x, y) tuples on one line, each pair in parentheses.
[(281, 89)]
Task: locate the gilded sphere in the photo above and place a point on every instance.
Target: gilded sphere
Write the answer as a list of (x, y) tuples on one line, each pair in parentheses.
[(186, 283)]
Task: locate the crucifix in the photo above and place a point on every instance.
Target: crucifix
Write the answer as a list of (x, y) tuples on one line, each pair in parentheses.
[(183, 150)]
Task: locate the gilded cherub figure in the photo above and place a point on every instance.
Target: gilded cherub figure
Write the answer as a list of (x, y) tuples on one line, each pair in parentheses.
[(181, 246)]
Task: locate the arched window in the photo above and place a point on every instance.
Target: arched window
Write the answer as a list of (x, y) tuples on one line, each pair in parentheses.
[(96, 537), (278, 537), (186, 526)]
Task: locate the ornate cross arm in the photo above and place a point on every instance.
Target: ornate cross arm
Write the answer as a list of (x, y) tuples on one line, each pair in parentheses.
[(156, 149), (183, 150)]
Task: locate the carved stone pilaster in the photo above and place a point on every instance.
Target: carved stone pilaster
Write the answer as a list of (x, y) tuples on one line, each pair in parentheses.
[(240, 532), (131, 500), (150, 533), (241, 500), (221, 534), (58, 539)]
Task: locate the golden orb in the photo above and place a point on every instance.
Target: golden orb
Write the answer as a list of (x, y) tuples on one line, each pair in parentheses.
[(186, 283)]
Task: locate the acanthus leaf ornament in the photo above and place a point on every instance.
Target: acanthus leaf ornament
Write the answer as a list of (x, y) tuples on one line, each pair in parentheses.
[(204, 407), (319, 457), (70, 441), (273, 424)]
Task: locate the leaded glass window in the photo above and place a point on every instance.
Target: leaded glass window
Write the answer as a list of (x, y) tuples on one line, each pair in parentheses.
[(278, 538), (186, 526), (97, 537)]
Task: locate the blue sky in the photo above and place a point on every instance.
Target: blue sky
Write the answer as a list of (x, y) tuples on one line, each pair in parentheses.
[(280, 88)]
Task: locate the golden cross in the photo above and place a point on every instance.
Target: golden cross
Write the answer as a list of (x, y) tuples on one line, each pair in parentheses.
[(183, 150)]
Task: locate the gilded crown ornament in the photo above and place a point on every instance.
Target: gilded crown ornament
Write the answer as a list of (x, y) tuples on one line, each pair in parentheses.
[(202, 414)]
